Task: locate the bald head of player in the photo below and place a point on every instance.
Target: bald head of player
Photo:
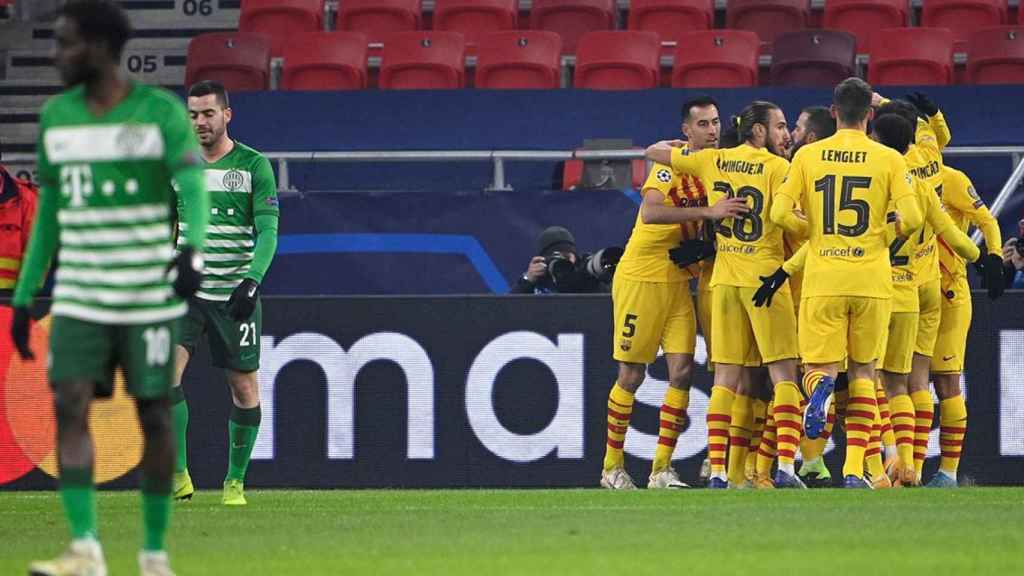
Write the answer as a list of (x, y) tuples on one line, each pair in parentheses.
[(763, 125), (814, 123), (91, 35), (210, 111), (701, 123), (851, 104)]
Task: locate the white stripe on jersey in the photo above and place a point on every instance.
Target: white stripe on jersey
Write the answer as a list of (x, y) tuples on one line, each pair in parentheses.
[(103, 143), (220, 229), (115, 236), (122, 256), (104, 316), (111, 277), (123, 215), (113, 297)]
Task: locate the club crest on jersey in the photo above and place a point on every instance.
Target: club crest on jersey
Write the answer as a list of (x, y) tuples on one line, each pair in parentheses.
[(664, 176), (910, 179), (625, 345), (233, 181)]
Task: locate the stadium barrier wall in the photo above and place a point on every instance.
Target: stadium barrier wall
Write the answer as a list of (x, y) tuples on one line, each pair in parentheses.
[(457, 392)]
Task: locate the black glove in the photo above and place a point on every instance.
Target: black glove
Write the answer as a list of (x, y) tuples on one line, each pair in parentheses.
[(691, 252), (990, 267), (189, 265), (20, 330), (769, 286), (923, 103), (243, 300)]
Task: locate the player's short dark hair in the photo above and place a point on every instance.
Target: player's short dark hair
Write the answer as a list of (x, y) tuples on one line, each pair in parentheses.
[(699, 102), (820, 121), (207, 87), (755, 113), (100, 20), (903, 109), (729, 138), (852, 99), (894, 131)]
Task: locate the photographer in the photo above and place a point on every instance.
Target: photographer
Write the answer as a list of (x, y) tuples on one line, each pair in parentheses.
[(1013, 263), (560, 270)]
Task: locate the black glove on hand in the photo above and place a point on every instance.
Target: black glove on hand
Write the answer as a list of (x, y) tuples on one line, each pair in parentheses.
[(990, 267), (769, 286), (243, 300), (691, 252), (20, 330), (189, 265), (923, 103)]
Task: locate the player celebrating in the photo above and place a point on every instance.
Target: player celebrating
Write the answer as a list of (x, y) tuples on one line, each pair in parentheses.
[(652, 303), (243, 239), (845, 184), (748, 246), (108, 149), (965, 207)]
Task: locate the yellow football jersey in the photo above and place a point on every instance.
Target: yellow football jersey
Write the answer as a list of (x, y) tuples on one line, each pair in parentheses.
[(924, 160), (749, 246), (845, 184), (646, 255), (965, 207)]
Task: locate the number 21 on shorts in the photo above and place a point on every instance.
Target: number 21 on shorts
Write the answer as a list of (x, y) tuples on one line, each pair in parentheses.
[(248, 334)]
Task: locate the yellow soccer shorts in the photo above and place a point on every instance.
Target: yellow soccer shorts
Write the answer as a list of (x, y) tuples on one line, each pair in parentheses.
[(951, 344), (833, 328), (744, 333), (649, 315), (896, 349), (929, 297)]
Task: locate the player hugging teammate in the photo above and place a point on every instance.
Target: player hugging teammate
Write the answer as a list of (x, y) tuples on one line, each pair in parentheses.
[(869, 230)]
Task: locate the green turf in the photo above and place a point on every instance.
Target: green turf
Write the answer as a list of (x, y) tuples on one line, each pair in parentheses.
[(534, 532)]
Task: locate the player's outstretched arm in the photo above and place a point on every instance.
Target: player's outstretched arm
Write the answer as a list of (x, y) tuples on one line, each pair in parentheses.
[(784, 213), (797, 261), (948, 231), (661, 152), (654, 211)]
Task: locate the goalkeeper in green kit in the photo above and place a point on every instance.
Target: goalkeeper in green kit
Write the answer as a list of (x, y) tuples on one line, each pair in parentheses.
[(241, 244), (108, 150)]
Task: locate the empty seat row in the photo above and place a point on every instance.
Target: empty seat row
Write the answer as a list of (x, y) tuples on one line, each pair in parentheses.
[(281, 19)]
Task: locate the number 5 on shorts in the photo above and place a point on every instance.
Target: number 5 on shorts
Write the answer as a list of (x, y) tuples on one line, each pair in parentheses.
[(629, 327), (248, 331)]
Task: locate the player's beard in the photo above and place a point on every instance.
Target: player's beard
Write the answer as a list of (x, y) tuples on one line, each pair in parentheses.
[(78, 74)]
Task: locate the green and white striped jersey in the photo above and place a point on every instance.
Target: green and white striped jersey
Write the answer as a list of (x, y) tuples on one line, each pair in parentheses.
[(241, 187), (107, 178)]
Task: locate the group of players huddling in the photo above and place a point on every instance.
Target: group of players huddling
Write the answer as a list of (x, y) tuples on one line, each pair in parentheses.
[(831, 269)]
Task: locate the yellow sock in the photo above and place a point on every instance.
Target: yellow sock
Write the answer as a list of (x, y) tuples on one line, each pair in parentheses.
[(766, 450), (740, 425), (812, 449), (903, 427), (924, 412), (673, 420), (620, 408), (952, 428), (788, 423), (860, 416), (873, 455), (760, 413), (719, 416), (810, 381), (888, 436)]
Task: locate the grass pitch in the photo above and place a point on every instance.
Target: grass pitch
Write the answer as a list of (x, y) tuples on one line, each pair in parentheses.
[(534, 532)]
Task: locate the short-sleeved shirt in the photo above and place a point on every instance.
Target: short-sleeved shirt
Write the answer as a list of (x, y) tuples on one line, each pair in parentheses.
[(845, 184)]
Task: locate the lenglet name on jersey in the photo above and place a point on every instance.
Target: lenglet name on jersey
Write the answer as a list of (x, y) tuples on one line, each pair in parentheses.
[(844, 156), (741, 167)]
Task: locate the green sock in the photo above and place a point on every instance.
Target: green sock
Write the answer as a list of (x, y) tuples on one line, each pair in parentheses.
[(243, 425), (78, 494), (179, 413), (156, 513)]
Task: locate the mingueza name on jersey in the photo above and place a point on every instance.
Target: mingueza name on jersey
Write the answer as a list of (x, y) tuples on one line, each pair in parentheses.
[(724, 248), (848, 252), (844, 156), (927, 171), (741, 167)]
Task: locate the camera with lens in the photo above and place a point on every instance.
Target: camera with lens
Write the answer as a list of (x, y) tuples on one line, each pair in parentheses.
[(589, 269)]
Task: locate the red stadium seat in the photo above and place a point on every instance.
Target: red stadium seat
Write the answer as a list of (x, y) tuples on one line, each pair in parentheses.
[(671, 18), (768, 18), (423, 61), (813, 58), (379, 18), (963, 17), (239, 61), (909, 56), (716, 58), (572, 18), (474, 18), (325, 61), (617, 60), (280, 20), (863, 17), (996, 56), (519, 59)]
